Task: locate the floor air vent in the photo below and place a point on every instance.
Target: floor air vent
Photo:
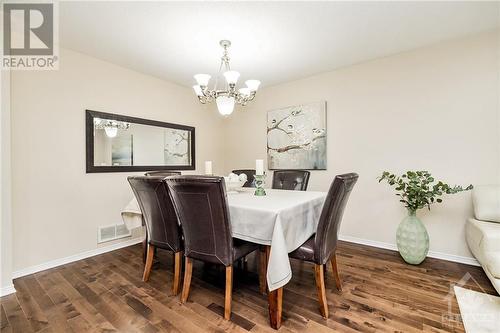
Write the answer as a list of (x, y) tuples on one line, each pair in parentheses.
[(112, 232)]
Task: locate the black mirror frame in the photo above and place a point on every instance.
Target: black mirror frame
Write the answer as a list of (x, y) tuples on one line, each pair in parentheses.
[(89, 138)]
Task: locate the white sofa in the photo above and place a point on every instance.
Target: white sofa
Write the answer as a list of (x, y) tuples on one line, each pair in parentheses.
[(483, 231)]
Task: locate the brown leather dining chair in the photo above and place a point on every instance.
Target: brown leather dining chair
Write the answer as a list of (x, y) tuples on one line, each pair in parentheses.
[(295, 180), (250, 176), (162, 173), (201, 205), (321, 247), (162, 226)]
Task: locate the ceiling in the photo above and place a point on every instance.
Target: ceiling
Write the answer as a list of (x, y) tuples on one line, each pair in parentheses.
[(274, 42)]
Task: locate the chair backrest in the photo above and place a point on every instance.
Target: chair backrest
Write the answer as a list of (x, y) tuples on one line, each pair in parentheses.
[(158, 212), (325, 241), (295, 180), (162, 173), (250, 176), (201, 205)]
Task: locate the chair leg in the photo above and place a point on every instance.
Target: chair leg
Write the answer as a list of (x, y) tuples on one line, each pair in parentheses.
[(145, 248), (320, 285), (188, 271), (149, 263), (239, 262), (245, 263), (335, 270), (263, 270), (229, 292), (176, 285)]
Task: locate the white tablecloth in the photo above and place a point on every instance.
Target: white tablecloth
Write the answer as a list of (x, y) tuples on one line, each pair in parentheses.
[(282, 219), (131, 215)]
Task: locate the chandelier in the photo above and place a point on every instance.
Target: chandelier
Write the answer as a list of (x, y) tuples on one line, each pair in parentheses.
[(111, 127), (226, 96)]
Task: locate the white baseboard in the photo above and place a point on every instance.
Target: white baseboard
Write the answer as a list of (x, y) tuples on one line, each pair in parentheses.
[(7, 290), (62, 261), (393, 247), (76, 257)]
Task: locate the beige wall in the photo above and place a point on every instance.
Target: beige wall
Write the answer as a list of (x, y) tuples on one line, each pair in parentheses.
[(5, 188), (57, 207), (434, 108)]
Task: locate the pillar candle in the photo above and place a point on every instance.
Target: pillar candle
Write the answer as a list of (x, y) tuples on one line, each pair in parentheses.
[(208, 167), (259, 167)]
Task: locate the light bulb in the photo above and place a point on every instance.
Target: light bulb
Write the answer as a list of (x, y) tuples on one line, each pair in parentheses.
[(202, 79), (231, 77), (225, 105), (111, 131), (253, 85)]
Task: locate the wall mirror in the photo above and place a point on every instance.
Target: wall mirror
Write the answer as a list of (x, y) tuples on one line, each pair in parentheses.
[(117, 143)]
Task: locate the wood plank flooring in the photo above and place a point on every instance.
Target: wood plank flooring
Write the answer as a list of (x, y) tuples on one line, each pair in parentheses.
[(106, 294)]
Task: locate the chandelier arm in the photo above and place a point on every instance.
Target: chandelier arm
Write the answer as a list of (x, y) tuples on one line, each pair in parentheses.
[(240, 98)]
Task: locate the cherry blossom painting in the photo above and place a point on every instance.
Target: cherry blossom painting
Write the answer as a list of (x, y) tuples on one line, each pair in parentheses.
[(296, 137), (177, 149)]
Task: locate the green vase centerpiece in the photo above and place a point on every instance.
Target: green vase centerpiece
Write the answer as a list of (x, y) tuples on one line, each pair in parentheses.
[(416, 190), (259, 184)]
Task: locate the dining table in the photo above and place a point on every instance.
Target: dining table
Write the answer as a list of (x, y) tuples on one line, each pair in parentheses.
[(281, 221)]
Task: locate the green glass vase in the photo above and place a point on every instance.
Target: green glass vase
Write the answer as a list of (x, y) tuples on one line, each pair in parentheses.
[(412, 239)]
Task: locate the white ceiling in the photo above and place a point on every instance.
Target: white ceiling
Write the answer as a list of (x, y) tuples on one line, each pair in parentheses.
[(272, 41)]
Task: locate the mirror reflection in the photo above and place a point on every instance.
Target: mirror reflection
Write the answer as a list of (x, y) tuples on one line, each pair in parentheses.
[(118, 143)]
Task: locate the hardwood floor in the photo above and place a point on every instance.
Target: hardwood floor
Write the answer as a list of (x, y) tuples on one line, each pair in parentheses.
[(106, 294)]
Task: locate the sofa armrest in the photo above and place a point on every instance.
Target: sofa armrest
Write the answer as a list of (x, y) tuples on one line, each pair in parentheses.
[(492, 263), (491, 238)]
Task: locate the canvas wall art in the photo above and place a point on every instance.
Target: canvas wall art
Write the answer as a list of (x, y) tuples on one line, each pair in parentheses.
[(296, 137), (177, 147)]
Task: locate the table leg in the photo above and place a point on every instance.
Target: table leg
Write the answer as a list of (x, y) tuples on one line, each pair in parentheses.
[(275, 300), (263, 270), (275, 307)]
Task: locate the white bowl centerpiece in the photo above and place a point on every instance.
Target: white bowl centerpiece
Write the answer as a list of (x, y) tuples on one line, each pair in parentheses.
[(234, 183)]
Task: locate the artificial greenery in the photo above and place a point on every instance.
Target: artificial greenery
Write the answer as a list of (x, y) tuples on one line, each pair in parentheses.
[(418, 189)]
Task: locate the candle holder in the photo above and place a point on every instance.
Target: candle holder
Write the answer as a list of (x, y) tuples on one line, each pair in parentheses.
[(259, 183)]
